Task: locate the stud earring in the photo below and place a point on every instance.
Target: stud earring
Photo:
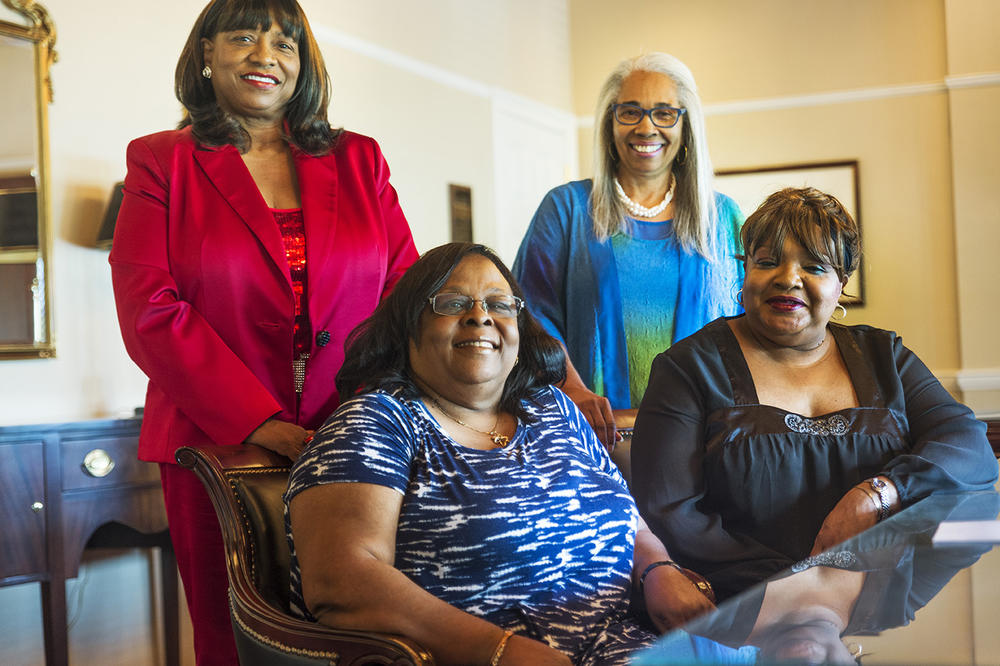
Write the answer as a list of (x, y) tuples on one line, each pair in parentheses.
[(207, 72)]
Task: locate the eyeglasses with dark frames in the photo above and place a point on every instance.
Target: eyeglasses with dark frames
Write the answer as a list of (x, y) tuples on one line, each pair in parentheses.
[(500, 305), (661, 116)]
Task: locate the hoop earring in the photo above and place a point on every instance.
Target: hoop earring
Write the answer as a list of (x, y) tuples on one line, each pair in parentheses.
[(207, 72), (683, 156), (842, 309), (739, 298)]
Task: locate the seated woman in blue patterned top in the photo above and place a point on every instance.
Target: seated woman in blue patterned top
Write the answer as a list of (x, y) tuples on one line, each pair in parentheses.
[(462, 501)]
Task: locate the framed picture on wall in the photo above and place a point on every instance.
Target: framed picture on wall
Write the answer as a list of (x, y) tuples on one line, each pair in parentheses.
[(751, 186)]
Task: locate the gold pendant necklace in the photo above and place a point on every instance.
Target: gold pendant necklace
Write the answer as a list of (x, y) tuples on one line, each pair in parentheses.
[(499, 440)]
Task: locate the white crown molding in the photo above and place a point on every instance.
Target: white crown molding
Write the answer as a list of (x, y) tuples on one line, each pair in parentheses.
[(399, 60), (524, 106), (981, 80), (529, 109), (538, 110), (841, 96), (823, 99)]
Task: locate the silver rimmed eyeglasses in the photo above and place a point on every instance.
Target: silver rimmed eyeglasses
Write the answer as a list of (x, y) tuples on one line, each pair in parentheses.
[(500, 305), (661, 116)]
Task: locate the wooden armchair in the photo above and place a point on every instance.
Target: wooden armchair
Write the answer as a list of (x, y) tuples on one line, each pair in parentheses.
[(245, 484)]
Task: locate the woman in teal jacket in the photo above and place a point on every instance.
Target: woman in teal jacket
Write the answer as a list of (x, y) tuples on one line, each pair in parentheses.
[(618, 282)]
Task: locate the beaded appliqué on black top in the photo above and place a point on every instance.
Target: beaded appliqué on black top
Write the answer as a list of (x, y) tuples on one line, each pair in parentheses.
[(841, 559), (830, 425)]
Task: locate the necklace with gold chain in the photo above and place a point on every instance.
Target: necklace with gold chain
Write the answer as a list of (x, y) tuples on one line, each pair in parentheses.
[(499, 440)]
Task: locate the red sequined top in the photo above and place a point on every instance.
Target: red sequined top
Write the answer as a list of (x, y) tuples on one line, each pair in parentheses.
[(293, 233)]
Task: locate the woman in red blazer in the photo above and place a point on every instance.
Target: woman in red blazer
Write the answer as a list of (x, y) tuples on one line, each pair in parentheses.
[(250, 242)]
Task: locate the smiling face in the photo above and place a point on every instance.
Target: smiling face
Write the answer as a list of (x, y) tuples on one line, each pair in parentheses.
[(472, 350), (254, 72), (645, 150), (789, 299)]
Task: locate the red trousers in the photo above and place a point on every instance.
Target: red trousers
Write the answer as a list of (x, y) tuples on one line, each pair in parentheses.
[(201, 560)]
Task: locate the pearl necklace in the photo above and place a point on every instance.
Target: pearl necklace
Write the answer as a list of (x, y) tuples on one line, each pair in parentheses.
[(499, 440), (638, 210)]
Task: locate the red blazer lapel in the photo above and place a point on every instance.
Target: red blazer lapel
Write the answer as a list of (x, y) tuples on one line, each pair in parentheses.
[(318, 189), (227, 172)]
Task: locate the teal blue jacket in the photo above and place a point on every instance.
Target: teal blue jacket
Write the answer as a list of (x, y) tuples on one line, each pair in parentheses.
[(570, 281)]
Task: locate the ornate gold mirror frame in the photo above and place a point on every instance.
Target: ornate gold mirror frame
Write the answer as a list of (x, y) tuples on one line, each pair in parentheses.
[(25, 251)]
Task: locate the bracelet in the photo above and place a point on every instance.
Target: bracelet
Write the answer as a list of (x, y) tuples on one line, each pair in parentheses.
[(696, 579), (884, 508), (867, 492), (647, 570), (498, 650), (875, 490)]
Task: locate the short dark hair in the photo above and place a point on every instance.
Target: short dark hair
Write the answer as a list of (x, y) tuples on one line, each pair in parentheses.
[(377, 351), (308, 127), (816, 220)]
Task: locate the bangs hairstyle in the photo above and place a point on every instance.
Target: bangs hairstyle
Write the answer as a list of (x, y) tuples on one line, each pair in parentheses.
[(306, 112), (377, 351), (817, 221)]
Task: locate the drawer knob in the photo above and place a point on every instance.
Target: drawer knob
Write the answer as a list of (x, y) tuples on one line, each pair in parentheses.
[(98, 463), (37, 506)]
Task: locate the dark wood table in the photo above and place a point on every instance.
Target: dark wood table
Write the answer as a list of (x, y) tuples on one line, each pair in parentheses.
[(67, 487)]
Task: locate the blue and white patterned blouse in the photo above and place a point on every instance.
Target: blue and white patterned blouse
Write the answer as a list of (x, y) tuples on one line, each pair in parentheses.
[(536, 537)]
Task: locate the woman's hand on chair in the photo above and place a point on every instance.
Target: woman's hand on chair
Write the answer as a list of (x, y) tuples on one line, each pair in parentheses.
[(281, 437), (597, 410)]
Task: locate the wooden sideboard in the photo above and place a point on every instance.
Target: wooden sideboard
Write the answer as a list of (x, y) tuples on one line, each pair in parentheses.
[(72, 486)]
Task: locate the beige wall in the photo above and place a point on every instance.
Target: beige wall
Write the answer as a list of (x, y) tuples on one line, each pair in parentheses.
[(787, 82), (974, 50), (521, 46), (766, 48)]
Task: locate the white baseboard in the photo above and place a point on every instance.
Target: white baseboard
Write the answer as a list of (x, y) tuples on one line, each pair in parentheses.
[(965, 384), (979, 379)]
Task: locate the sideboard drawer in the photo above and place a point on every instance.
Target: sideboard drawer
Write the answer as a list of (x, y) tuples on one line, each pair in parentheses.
[(97, 463), (23, 509)]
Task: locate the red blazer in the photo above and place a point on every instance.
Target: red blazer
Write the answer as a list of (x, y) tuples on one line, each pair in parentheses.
[(203, 290)]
